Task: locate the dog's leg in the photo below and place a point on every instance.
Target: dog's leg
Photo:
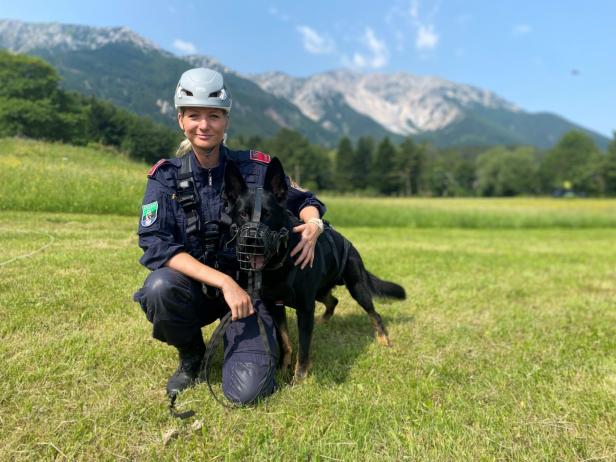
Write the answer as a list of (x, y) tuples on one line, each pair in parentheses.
[(356, 280), (330, 303), (305, 325), (279, 315)]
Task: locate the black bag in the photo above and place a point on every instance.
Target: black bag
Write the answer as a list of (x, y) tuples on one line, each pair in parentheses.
[(250, 358)]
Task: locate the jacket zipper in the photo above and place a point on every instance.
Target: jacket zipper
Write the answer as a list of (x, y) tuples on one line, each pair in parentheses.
[(209, 177)]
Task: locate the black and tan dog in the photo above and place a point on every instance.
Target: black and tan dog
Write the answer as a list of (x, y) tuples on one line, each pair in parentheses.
[(336, 262)]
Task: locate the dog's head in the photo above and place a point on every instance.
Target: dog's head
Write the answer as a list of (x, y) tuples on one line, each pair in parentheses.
[(258, 216)]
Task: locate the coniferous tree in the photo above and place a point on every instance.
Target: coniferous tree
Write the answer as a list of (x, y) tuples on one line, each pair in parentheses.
[(362, 163), (410, 162), (307, 164), (344, 165), (385, 177)]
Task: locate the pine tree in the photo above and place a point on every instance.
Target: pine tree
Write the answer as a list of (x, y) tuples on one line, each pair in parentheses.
[(362, 164), (410, 162), (385, 177), (344, 165)]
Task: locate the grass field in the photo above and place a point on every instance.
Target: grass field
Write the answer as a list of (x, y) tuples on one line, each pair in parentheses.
[(505, 349), (39, 176)]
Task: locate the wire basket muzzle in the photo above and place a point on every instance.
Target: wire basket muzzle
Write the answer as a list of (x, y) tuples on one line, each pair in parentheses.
[(257, 244)]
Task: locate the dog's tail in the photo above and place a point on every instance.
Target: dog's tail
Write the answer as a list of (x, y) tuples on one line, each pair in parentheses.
[(380, 288)]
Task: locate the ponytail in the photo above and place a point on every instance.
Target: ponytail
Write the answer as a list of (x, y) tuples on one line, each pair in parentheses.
[(183, 148)]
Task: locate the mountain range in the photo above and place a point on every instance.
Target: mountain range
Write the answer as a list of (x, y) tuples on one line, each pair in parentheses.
[(119, 65)]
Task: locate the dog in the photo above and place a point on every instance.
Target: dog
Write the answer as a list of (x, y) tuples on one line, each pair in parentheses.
[(336, 262)]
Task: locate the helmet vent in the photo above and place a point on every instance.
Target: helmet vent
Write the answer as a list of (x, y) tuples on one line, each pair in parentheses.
[(187, 93)]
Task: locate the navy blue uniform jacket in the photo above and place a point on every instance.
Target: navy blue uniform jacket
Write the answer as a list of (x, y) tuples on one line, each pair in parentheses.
[(162, 228)]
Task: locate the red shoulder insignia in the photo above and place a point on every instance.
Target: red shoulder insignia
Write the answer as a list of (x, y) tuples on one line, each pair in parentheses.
[(260, 157), (152, 170)]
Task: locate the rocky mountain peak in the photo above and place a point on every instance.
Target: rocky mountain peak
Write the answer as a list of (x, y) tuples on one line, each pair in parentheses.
[(400, 102), (22, 37)]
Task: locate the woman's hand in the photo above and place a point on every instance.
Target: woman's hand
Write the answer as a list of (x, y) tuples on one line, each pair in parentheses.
[(305, 248), (238, 300)]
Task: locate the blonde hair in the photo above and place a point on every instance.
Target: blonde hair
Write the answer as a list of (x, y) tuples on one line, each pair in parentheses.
[(183, 148)]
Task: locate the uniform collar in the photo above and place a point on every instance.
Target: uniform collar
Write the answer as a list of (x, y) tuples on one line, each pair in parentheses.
[(216, 173)]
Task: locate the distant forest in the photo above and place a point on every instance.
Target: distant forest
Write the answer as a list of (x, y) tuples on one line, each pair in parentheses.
[(33, 105)]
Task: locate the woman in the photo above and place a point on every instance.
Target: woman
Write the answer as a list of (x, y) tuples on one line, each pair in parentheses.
[(184, 240)]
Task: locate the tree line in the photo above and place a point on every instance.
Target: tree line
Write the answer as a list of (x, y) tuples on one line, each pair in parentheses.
[(33, 105), (574, 166)]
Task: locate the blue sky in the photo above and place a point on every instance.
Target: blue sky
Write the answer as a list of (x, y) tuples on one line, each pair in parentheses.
[(556, 56)]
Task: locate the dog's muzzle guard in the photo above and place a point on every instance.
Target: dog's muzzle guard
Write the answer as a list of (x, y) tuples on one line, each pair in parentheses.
[(257, 244)]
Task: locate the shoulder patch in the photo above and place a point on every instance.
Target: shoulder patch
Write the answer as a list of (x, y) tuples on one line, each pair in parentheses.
[(149, 213), (152, 170), (260, 157)]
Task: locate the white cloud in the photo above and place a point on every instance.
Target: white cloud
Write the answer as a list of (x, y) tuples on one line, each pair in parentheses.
[(314, 42), (278, 14), (414, 10), (426, 38), (409, 22), (379, 54), (184, 47), (522, 29)]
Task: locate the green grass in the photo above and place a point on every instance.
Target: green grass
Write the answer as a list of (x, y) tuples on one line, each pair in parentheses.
[(40, 176), (473, 213), (55, 177), (503, 351)]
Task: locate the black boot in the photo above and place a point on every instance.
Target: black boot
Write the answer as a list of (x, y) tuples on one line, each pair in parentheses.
[(191, 355)]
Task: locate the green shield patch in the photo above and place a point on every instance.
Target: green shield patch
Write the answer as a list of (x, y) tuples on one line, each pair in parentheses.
[(149, 213)]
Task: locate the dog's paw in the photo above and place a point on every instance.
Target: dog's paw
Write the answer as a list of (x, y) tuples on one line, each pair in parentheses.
[(383, 340), (323, 319), (300, 374), (298, 379)]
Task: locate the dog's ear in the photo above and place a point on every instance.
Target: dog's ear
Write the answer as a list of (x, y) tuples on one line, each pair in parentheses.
[(235, 185), (275, 180)]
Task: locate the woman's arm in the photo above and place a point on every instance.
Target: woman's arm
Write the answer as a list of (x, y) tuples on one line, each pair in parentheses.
[(238, 300), (310, 232)]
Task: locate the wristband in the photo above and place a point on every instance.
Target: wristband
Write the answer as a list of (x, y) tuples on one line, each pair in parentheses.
[(318, 222)]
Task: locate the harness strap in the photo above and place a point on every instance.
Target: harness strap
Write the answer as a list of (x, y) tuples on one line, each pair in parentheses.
[(256, 211), (345, 257), (187, 196), (340, 262)]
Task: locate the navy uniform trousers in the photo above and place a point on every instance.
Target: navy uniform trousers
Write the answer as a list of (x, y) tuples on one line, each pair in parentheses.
[(177, 308)]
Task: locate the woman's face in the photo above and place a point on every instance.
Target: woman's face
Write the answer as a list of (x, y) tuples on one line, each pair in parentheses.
[(204, 127)]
